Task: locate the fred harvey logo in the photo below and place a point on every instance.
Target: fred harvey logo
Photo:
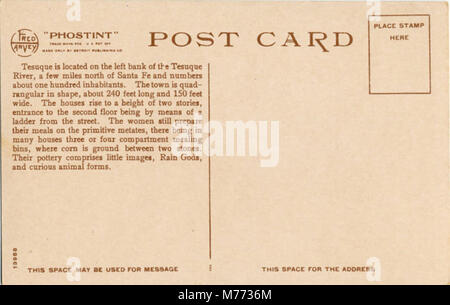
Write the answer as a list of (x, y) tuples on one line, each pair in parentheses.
[(24, 42)]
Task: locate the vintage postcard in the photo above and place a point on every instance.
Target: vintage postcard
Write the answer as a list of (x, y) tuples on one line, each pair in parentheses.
[(224, 142)]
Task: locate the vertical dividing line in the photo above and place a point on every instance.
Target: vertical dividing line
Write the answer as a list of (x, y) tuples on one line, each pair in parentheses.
[(368, 47), (209, 161)]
